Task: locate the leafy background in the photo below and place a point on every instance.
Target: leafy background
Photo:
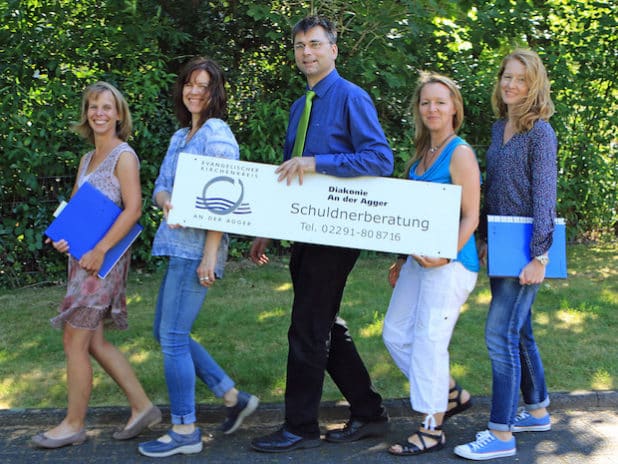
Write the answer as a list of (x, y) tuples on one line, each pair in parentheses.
[(49, 51)]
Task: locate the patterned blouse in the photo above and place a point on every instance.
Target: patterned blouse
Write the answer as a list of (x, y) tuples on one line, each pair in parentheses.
[(521, 179), (214, 138)]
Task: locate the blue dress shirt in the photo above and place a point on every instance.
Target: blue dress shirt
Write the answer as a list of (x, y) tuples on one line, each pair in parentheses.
[(344, 133)]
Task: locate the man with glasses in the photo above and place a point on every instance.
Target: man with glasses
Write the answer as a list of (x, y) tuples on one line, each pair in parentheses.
[(344, 139)]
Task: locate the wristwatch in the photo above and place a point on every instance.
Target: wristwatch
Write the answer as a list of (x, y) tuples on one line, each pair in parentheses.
[(543, 259)]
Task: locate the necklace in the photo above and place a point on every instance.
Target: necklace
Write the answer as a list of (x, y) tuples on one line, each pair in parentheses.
[(428, 159), (432, 150)]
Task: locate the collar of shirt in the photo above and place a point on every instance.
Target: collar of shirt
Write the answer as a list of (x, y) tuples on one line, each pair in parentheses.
[(326, 83)]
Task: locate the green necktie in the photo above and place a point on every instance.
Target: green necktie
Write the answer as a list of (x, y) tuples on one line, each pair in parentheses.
[(301, 130)]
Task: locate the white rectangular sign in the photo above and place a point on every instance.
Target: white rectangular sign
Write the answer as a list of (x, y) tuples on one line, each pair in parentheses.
[(372, 213)]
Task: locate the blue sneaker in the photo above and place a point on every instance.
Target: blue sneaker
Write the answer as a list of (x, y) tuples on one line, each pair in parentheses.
[(244, 407), (525, 422), (486, 446), (180, 444)]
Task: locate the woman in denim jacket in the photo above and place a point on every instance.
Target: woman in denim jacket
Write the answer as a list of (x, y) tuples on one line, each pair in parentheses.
[(196, 260)]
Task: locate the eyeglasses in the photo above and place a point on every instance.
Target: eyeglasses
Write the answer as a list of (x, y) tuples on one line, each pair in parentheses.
[(313, 45), (198, 87)]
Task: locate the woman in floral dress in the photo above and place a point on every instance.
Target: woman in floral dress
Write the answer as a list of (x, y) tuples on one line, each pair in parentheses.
[(90, 302)]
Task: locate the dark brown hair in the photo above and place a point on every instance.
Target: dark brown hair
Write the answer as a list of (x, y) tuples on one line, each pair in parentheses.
[(217, 98), (310, 22)]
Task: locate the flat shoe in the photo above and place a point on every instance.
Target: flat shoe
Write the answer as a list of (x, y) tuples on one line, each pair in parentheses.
[(236, 414), (43, 441), (180, 444), (150, 418)]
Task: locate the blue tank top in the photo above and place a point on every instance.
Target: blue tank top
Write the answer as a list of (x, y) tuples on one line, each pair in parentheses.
[(439, 172)]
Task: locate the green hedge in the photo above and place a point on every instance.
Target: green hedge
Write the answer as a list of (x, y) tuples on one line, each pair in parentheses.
[(49, 51)]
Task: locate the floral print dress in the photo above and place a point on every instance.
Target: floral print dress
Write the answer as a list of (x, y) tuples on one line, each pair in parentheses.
[(89, 299)]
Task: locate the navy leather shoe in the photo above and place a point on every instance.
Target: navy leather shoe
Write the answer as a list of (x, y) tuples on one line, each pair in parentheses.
[(282, 441), (356, 430)]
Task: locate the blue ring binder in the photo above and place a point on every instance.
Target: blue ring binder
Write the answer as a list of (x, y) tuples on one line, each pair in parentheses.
[(85, 220), (508, 247)]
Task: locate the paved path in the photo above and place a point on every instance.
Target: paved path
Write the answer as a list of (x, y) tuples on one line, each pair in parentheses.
[(584, 431)]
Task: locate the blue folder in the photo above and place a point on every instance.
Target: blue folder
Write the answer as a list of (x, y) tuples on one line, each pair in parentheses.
[(508, 247), (85, 220)]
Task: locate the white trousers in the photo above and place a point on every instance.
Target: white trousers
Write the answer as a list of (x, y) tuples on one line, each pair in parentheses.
[(418, 326)]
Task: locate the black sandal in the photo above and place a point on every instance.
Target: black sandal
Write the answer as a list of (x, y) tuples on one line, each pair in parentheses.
[(410, 449), (460, 407)]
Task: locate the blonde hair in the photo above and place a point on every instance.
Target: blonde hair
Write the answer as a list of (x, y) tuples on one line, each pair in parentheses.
[(422, 138), (537, 104), (123, 127)]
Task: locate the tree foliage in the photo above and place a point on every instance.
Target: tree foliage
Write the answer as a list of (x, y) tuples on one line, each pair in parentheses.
[(49, 51)]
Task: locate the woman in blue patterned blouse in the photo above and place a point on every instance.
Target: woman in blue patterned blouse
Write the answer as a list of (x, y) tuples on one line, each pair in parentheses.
[(521, 180), (196, 259)]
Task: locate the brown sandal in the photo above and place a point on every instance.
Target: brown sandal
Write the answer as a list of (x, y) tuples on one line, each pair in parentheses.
[(409, 449), (460, 407)]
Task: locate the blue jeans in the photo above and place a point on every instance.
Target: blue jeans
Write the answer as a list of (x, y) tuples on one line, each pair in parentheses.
[(179, 302), (515, 360)]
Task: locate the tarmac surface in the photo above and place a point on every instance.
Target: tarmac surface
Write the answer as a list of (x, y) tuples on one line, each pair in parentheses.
[(584, 430)]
